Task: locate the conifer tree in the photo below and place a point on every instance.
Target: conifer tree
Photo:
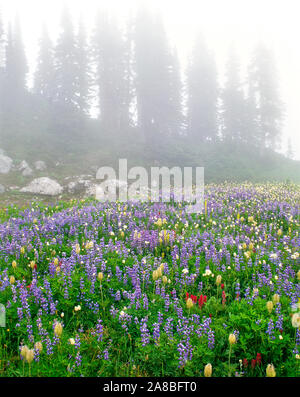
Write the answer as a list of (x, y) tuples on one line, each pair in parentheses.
[(83, 73), (65, 63), (44, 79), (202, 92), (233, 101), (157, 80), (111, 61), (264, 82), (16, 67)]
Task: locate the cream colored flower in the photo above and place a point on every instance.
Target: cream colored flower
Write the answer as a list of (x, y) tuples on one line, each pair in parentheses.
[(207, 273), (38, 346), (29, 356), (155, 275), (189, 303), (24, 350), (208, 370), (270, 306), (32, 264), (296, 320), (276, 298), (270, 371), (232, 339), (58, 329), (100, 276), (89, 245), (77, 249)]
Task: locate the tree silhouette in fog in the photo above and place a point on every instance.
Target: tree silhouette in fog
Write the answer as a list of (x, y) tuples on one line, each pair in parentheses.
[(132, 73)]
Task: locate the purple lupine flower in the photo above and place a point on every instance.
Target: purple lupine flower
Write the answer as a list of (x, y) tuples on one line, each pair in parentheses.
[(185, 352), (270, 330), (145, 335), (156, 332)]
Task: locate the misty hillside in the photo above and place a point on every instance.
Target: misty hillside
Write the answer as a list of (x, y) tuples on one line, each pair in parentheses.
[(121, 90), (85, 153)]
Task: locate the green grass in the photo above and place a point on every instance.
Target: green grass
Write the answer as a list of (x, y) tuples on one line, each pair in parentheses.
[(74, 153)]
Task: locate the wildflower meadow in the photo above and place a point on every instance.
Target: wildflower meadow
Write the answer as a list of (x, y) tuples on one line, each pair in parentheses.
[(101, 289)]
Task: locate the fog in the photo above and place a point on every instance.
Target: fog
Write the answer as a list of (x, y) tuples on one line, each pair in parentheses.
[(226, 27)]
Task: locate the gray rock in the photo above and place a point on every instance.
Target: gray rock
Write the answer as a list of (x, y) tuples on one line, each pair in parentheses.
[(40, 165), (5, 164), (81, 186), (91, 191), (117, 183), (23, 165), (76, 187), (2, 189), (27, 171), (102, 193), (25, 168), (44, 186)]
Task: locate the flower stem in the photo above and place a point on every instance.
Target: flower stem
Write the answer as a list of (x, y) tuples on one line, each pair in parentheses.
[(229, 373)]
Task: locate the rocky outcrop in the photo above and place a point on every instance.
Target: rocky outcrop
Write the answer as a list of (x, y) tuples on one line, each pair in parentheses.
[(44, 186), (25, 168), (79, 186), (5, 164), (40, 165), (27, 172)]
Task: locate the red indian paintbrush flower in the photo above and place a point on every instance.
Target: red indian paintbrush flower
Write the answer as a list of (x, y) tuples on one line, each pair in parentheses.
[(202, 300), (194, 298), (223, 298), (258, 358)]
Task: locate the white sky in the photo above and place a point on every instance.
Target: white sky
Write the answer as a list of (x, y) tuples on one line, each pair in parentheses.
[(223, 22)]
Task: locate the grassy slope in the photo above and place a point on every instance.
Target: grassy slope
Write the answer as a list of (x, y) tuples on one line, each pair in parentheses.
[(83, 153)]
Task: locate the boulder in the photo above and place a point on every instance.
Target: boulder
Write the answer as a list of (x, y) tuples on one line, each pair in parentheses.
[(82, 186), (23, 165), (2, 189), (102, 192), (44, 185), (27, 171), (40, 165), (79, 186), (117, 182), (91, 191), (5, 164)]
